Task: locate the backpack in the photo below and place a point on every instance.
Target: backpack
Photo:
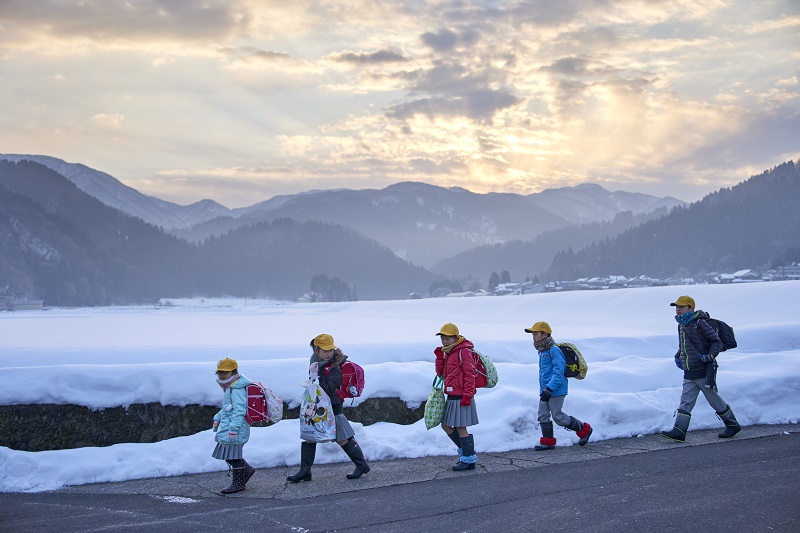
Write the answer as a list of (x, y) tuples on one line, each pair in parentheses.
[(486, 373), (352, 380), (723, 330), (262, 405), (576, 364)]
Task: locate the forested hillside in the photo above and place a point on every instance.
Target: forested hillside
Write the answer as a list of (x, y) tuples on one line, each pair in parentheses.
[(746, 226)]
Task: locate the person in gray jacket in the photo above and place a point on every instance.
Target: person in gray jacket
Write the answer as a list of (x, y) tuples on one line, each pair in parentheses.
[(698, 347)]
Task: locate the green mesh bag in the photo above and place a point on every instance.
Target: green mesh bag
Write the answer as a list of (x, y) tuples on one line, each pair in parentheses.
[(434, 407)]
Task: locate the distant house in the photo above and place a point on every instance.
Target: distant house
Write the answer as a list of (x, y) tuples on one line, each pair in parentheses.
[(27, 305)]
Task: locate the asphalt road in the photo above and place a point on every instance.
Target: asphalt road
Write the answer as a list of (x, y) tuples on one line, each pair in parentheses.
[(749, 483)]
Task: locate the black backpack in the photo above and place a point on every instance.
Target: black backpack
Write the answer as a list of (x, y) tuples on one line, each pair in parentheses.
[(723, 330), (576, 364)]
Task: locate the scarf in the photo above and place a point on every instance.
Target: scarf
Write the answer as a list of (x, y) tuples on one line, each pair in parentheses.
[(544, 344), (446, 349), (225, 383), (685, 318)]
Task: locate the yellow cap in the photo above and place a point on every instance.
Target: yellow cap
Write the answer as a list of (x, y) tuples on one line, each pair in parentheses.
[(449, 330), (226, 365), (324, 341), (540, 326), (684, 300)]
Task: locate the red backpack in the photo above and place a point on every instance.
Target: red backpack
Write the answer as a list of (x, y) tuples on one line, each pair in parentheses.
[(352, 380), (262, 405)]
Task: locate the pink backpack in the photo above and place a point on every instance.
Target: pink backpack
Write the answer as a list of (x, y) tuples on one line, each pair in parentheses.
[(352, 381), (262, 405)]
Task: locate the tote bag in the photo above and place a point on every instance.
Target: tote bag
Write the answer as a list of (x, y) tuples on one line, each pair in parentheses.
[(317, 421), (434, 407)]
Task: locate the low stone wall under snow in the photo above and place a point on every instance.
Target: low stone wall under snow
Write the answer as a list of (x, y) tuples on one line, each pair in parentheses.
[(41, 427)]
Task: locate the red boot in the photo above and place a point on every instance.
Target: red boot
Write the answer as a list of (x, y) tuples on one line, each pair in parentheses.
[(584, 434)]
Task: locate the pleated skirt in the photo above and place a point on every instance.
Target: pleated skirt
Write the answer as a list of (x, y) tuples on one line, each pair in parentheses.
[(343, 428), (227, 452), (457, 416)]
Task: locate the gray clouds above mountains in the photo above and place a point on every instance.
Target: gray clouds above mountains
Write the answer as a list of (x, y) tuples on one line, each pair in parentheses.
[(179, 98)]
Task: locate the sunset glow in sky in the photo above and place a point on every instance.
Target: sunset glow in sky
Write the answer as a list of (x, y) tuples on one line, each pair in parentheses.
[(242, 100)]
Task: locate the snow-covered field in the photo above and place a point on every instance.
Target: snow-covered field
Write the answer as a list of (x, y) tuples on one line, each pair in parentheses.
[(107, 357)]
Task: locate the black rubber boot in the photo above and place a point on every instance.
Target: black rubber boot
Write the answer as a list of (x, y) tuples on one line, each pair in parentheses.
[(574, 424), (239, 471), (678, 432), (308, 450), (467, 450), (248, 471), (353, 451), (547, 442), (457, 441), (732, 427)]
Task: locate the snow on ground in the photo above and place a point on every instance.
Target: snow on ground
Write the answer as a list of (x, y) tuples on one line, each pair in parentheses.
[(106, 357)]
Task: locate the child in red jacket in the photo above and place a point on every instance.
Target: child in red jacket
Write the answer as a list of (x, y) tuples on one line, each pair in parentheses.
[(456, 364)]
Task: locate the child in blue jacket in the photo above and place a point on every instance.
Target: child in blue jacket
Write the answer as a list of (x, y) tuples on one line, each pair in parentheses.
[(231, 428), (553, 389)]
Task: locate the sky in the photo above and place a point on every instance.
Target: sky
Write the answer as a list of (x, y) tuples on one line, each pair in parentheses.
[(107, 357), (242, 100)]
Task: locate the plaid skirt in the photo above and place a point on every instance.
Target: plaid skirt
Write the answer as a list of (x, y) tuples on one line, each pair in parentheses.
[(228, 452), (457, 416)]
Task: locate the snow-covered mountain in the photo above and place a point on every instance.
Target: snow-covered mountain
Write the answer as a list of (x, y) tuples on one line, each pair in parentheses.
[(589, 202), (419, 222), (116, 194)]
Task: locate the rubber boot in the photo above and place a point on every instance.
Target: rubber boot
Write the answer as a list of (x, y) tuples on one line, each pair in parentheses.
[(584, 433), (308, 450), (468, 457), (239, 471), (547, 442), (678, 432), (353, 451), (248, 471), (457, 441), (732, 427)]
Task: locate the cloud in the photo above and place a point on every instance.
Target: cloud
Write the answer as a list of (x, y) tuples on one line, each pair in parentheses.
[(120, 20), (379, 57)]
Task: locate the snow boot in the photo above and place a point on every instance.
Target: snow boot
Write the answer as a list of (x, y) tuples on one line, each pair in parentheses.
[(468, 457), (678, 432), (248, 471), (457, 441), (547, 442), (732, 427), (353, 451), (584, 434), (308, 450), (239, 471)]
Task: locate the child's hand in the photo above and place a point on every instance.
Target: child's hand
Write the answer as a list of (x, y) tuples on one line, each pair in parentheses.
[(216, 426)]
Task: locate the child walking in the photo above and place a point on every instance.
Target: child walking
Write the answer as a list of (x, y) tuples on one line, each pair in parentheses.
[(553, 387), (326, 362), (456, 364), (231, 430)]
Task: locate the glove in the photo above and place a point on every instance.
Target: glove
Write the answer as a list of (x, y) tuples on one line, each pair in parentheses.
[(466, 401), (545, 395), (678, 363), (233, 436), (706, 358)]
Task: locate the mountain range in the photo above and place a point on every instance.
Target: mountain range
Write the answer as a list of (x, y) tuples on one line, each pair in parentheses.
[(421, 223), (69, 247)]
